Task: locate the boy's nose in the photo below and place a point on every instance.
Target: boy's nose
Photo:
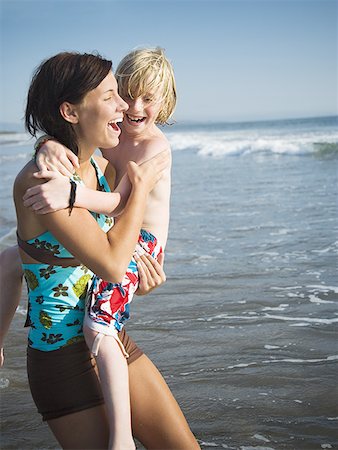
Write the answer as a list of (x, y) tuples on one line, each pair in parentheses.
[(138, 104)]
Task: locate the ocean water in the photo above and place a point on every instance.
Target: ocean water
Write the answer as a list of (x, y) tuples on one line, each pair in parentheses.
[(245, 329)]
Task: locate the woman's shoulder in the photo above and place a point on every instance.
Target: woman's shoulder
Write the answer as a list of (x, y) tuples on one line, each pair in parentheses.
[(25, 178)]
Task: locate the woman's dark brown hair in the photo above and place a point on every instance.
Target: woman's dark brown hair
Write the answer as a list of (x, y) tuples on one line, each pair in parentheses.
[(65, 77)]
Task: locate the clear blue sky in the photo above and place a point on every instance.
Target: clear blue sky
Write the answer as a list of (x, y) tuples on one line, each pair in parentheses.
[(233, 59)]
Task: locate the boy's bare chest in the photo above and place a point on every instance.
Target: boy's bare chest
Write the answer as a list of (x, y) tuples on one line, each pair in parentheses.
[(122, 156)]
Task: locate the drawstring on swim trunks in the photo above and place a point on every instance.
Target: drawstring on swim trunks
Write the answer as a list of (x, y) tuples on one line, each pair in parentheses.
[(98, 339)]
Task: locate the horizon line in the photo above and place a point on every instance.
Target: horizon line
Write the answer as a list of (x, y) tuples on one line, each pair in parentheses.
[(210, 122)]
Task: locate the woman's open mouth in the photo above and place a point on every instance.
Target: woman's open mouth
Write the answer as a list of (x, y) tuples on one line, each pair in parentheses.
[(114, 124)]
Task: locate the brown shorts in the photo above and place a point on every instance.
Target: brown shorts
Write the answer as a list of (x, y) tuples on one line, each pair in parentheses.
[(64, 381)]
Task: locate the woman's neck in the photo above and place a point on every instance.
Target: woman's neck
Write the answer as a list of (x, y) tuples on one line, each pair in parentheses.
[(86, 170)]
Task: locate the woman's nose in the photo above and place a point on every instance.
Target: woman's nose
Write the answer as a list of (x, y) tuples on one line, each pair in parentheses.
[(123, 105)]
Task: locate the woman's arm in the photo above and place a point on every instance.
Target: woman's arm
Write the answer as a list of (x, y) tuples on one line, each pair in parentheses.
[(106, 254), (52, 196)]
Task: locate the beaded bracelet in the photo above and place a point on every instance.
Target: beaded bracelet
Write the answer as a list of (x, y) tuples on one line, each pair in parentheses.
[(72, 196)]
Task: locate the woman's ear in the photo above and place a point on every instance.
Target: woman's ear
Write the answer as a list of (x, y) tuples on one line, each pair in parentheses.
[(68, 112)]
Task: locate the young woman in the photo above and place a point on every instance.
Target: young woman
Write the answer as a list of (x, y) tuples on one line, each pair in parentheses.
[(74, 98)]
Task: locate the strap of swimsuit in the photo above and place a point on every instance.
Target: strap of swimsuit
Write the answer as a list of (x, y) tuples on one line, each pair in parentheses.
[(44, 256)]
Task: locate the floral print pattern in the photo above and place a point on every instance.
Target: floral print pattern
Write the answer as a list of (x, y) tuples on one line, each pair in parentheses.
[(109, 303), (56, 294)]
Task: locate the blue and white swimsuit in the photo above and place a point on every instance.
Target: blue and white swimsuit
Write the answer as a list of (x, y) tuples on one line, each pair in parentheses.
[(57, 288)]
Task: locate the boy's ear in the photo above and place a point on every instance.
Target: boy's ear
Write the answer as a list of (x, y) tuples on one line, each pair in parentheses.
[(68, 112)]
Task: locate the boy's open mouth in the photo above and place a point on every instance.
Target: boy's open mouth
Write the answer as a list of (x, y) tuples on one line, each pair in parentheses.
[(136, 119)]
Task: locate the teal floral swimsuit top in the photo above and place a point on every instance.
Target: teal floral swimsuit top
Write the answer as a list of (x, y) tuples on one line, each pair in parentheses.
[(56, 289)]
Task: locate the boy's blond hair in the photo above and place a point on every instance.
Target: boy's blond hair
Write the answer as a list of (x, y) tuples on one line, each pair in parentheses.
[(144, 71)]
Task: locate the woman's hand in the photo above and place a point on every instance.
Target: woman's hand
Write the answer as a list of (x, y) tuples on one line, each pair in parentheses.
[(150, 272), (56, 157), (149, 172), (48, 197)]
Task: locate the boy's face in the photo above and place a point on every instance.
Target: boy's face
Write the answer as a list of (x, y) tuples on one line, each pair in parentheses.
[(142, 112)]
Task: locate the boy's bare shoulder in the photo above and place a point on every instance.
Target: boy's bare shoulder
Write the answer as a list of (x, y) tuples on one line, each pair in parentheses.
[(156, 144)]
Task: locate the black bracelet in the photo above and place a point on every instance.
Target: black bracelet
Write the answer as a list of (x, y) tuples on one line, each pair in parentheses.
[(72, 196)]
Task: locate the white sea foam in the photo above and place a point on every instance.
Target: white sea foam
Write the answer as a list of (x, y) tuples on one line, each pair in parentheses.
[(285, 288), (14, 157), (301, 361), (8, 238), (260, 437), (243, 142), (242, 365), (14, 138), (281, 307), (283, 361), (323, 288), (309, 320), (245, 447), (4, 383), (317, 300), (255, 316)]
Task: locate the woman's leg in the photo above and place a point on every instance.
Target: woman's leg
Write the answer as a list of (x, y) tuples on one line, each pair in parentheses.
[(157, 420), (84, 430), (113, 373)]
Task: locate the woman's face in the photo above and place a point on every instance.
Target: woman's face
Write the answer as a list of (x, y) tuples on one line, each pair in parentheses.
[(99, 114)]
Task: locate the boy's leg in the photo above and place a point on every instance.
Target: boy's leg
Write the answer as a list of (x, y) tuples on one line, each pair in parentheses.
[(10, 289), (157, 420), (113, 373)]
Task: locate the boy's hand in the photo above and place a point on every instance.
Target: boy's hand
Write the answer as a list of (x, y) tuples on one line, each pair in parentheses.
[(48, 197), (1, 357), (151, 273), (58, 158), (149, 172)]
